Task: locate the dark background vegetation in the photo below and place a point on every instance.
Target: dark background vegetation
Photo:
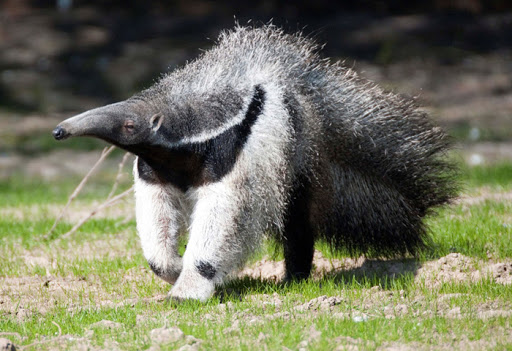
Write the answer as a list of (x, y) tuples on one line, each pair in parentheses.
[(62, 57)]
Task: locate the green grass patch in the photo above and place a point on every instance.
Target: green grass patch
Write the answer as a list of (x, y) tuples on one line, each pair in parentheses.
[(17, 190), (30, 233), (479, 230), (286, 330), (116, 284), (495, 176)]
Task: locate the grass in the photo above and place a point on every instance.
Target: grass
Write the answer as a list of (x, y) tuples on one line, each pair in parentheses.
[(19, 191), (99, 273), (478, 230), (496, 176)]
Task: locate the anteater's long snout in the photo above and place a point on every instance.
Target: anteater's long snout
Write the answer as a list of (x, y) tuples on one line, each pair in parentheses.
[(98, 122), (60, 133)]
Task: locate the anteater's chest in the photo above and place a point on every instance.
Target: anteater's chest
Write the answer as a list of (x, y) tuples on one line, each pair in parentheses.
[(194, 164)]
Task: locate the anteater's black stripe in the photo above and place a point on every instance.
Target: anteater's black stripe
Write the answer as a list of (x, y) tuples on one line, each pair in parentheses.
[(223, 150), (203, 162)]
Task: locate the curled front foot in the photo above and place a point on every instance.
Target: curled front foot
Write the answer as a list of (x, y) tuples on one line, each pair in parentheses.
[(191, 286)]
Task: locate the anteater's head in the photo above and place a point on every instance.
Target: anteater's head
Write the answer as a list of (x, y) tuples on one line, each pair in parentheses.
[(153, 121), (123, 124)]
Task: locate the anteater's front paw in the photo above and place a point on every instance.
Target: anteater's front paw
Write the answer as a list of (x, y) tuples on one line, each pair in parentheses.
[(191, 286)]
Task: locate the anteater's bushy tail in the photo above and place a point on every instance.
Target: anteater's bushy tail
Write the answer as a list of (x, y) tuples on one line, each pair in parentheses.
[(392, 172)]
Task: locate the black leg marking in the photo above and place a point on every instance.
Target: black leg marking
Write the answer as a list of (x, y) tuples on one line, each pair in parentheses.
[(157, 270), (206, 269), (299, 236)]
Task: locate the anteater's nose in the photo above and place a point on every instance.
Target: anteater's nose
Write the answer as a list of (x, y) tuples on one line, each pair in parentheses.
[(59, 133)]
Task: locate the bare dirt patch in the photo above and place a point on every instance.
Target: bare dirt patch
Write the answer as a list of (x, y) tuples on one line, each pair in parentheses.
[(499, 337), (486, 152), (484, 194), (25, 297), (458, 268), (267, 269), (113, 246), (76, 211), (54, 165), (454, 267)]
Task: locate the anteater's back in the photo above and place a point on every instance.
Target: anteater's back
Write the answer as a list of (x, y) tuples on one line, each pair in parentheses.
[(386, 162), (375, 164), (372, 164)]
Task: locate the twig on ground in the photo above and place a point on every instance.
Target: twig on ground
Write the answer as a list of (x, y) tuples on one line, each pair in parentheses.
[(58, 326), (102, 206), (118, 176), (106, 151)]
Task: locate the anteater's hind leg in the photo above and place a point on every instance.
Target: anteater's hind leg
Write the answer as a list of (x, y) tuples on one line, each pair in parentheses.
[(298, 237)]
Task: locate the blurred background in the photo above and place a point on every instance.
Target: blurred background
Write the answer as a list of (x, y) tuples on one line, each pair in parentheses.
[(58, 58)]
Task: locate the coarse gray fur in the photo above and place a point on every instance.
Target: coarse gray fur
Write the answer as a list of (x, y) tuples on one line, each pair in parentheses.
[(260, 135)]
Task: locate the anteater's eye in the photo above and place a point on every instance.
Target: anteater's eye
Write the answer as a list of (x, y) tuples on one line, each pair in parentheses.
[(129, 126)]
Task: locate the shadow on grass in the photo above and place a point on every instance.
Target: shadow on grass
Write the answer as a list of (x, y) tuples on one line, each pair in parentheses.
[(387, 274)]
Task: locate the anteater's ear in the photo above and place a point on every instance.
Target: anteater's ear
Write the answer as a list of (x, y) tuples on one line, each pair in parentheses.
[(156, 122)]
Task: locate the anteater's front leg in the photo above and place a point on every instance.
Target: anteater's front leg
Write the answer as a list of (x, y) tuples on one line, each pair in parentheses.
[(159, 215), (219, 241)]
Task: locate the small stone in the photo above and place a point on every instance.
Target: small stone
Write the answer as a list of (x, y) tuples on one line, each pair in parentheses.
[(6, 345), (360, 318), (166, 335)]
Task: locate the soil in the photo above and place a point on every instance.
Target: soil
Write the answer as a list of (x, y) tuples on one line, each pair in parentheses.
[(24, 296), (454, 267), (28, 297), (76, 211)]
